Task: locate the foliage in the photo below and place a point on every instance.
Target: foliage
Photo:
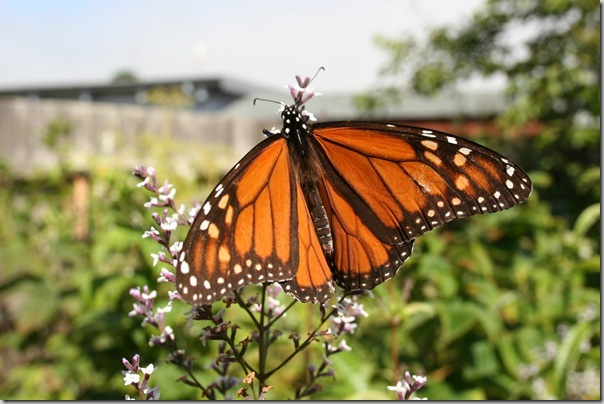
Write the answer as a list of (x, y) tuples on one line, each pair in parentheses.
[(500, 306), (549, 54), (507, 306), (63, 300), (124, 76)]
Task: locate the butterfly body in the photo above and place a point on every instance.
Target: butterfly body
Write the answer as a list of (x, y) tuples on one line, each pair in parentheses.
[(336, 202)]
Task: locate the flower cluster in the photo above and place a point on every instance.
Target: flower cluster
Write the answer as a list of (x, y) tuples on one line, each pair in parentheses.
[(132, 376), (344, 321), (302, 94), (405, 388), (144, 306)]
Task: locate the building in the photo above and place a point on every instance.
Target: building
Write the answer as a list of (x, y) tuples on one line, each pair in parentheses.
[(110, 120)]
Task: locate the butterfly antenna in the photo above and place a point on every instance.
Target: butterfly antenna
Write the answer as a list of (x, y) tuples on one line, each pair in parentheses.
[(316, 74), (267, 100)]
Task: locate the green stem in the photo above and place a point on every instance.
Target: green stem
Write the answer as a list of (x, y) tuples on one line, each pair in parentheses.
[(263, 338), (247, 310), (303, 345), (270, 323)]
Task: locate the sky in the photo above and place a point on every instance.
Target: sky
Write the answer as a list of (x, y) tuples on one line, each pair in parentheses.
[(260, 42)]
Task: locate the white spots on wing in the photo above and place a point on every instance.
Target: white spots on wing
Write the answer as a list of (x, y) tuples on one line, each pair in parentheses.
[(451, 140), (440, 204), (390, 126), (206, 284), (497, 194), (237, 269), (465, 150), (509, 184), (206, 208), (510, 170), (204, 225), (184, 267), (248, 262), (427, 133), (456, 201), (219, 190), (506, 161), (220, 280), (193, 280), (480, 199), (431, 213)]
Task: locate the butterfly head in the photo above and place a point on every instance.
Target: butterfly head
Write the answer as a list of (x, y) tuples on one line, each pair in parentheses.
[(293, 121)]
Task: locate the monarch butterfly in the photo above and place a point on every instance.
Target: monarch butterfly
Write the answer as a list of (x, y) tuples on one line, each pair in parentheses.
[(341, 202)]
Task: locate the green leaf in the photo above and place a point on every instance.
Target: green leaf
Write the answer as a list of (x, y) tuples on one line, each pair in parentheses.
[(483, 361), (589, 217), (569, 353), (457, 319)]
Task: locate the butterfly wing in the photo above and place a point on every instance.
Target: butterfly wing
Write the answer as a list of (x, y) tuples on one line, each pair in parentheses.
[(388, 184), (246, 231), (254, 227), (313, 280)]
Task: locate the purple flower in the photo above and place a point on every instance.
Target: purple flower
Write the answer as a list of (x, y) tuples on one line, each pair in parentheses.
[(411, 384)]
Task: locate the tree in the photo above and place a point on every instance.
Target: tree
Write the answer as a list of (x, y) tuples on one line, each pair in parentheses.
[(549, 53), (124, 76)]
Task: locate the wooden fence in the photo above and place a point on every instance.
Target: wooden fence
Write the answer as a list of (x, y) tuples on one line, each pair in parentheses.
[(93, 130)]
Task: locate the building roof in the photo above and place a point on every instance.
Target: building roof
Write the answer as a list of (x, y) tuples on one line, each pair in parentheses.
[(235, 98)]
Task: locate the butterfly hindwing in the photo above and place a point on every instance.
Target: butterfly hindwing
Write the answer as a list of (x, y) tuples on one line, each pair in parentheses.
[(313, 281)]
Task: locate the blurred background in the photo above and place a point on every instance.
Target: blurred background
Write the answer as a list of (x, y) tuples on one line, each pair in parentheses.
[(504, 306)]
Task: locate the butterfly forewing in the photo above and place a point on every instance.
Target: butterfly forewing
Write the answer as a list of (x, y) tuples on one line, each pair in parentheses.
[(412, 180), (246, 231)]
